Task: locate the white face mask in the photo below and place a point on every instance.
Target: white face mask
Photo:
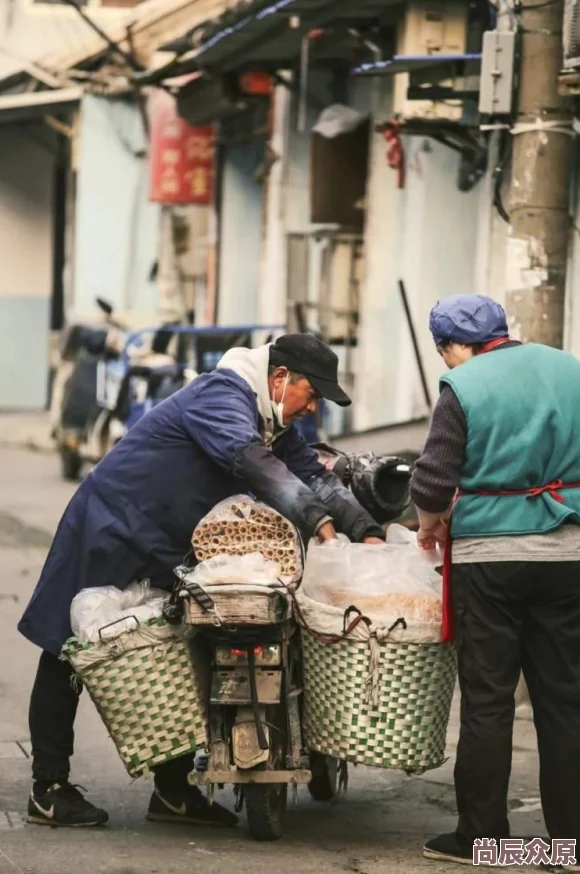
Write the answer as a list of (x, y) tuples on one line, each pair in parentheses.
[(278, 408)]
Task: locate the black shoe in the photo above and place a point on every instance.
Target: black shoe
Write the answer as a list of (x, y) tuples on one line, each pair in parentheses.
[(191, 807), (446, 848), (63, 805)]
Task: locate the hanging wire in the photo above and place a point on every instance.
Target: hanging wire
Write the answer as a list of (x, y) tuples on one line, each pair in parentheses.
[(498, 176), (133, 63)]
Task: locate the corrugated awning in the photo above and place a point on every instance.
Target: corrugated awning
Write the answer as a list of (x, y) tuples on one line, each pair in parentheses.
[(270, 32), (35, 104), (154, 22)]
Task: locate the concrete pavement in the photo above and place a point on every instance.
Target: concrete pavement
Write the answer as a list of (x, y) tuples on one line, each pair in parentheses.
[(26, 430), (378, 826)]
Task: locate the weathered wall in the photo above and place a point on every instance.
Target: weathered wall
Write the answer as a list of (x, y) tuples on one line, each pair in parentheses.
[(116, 227), (240, 235), (424, 234), (26, 179), (572, 331)]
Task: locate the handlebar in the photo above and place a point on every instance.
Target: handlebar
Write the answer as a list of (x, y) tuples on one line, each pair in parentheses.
[(135, 338)]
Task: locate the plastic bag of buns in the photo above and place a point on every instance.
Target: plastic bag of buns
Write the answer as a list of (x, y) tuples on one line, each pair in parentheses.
[(394, 579)]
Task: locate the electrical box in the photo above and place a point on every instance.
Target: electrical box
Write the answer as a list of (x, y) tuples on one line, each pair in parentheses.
[(496, 87), (571, 34), (430, 27)]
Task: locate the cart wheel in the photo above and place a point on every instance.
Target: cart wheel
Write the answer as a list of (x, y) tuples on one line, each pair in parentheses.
[(265, 809), (324, 769), (71, 464)]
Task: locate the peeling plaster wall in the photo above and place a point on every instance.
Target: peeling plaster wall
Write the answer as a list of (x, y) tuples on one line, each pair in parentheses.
[(426, 235)]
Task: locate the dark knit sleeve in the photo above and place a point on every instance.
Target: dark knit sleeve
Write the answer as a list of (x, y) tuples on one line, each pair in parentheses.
[(436, 475)]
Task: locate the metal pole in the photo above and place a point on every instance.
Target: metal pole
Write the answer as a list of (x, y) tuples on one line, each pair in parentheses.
[(418, 358), (539, 194), (303, 96)]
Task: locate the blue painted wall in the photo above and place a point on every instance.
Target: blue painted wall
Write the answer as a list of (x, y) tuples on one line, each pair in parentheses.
[(240, 235), (24, 332), (117, 228)]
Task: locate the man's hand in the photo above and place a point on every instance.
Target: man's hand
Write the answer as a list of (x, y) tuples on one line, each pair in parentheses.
[(374, 541), (326, 532), (429, 538)]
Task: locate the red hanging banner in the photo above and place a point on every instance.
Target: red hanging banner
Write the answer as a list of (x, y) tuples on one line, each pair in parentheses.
[(181, 156)]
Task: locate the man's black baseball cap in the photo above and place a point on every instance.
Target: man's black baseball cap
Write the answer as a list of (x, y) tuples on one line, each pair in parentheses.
[(306, 354)]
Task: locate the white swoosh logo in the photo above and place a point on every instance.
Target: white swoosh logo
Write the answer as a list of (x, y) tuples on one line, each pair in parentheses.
[(49, 814), (180, 811)]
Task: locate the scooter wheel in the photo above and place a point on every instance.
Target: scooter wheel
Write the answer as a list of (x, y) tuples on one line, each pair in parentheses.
[(71, 464), (265, 809), (324, 770)]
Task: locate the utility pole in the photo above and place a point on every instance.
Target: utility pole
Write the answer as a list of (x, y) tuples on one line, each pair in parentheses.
[(539, 191), (540, 179)]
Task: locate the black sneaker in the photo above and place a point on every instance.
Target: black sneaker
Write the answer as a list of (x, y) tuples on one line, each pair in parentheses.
[(189, 807), (63, 805)]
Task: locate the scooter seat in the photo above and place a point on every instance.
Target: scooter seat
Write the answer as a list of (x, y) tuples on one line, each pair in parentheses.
[(146, 370)]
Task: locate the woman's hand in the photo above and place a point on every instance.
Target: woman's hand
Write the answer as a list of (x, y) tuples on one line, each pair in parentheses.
[(428, 539), (375, 541)]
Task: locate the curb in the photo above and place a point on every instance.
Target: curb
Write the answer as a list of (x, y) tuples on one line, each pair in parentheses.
[(31, 445)]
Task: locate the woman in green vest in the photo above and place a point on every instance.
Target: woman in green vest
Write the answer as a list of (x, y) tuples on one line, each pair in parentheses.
[(503, 453)]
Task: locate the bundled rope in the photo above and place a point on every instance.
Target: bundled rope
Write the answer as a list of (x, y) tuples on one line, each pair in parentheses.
[(330, 639), (372, 684), (376, 637)]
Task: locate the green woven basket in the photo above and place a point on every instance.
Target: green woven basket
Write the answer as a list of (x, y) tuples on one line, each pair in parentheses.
[(406, 731), (151, 698)]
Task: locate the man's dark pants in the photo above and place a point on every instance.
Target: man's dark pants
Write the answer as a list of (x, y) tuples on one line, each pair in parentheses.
[(53, 708), (511, 616)]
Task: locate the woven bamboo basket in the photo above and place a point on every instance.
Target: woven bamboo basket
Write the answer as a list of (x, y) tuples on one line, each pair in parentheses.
[(406, 730), (149, 687)]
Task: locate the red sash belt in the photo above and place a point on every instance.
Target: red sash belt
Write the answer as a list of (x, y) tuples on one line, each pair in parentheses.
[(553, 489)]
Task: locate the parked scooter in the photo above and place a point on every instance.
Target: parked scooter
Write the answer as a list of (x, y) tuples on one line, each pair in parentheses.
[(110, 377), (152, 366), (75, 406), (156, 362)]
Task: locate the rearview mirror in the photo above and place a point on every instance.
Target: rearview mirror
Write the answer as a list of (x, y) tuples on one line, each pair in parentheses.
[(104, 305)]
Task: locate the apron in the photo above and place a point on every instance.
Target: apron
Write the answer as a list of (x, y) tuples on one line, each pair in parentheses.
[(553, 489)]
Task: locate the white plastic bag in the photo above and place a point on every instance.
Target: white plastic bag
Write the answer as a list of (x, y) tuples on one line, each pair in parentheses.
[(400, 534), (252, 568), (337, 119), (384, 582), (92, 610)]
